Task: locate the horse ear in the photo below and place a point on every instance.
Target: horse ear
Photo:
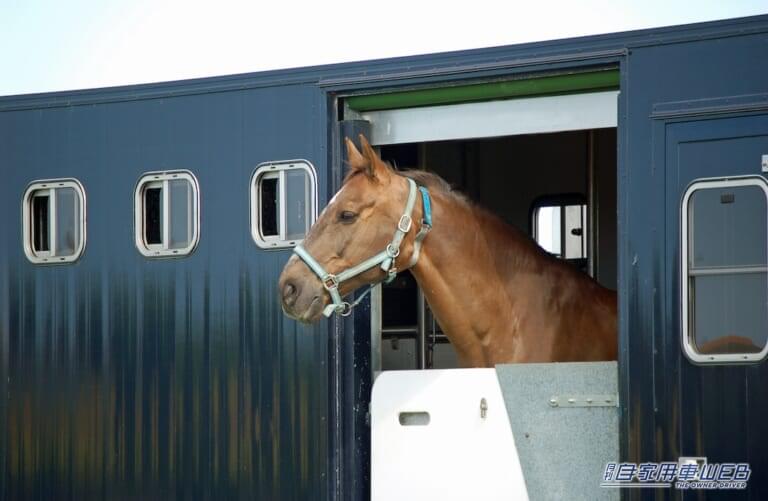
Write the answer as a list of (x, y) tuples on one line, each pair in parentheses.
[(378, 168), (354, 158)]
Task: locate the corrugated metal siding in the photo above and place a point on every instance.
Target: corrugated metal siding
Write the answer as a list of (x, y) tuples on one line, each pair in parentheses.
[(124, 377)]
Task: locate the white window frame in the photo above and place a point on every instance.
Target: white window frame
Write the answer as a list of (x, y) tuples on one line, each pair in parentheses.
[(51, 186), (161, 179), (687, 341), (562, 203), (276, 170)]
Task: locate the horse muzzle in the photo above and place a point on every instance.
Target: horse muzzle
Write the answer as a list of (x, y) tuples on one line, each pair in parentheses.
[(302, 296)]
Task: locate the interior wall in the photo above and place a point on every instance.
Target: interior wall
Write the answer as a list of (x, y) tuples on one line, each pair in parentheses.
[(606, 155), (506, 175)]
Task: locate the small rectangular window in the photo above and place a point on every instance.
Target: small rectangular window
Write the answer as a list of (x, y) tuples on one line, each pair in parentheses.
[(270, 205), (724, 279), (167, 214), (153, 215), (560, 226), (283, 203), (54, 221), (40, 222)]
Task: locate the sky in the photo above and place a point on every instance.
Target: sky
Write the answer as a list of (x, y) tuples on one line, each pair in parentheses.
[(48, 45)]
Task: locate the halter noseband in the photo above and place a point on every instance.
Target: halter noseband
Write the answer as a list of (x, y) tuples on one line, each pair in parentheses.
[(385, 258)]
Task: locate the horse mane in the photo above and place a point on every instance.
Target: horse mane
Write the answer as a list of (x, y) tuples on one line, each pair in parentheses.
[(422, 177), (490, 219), (430, 180), (436, 183)]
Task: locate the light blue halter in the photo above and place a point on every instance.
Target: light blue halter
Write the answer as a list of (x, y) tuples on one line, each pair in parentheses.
[(385, 258)]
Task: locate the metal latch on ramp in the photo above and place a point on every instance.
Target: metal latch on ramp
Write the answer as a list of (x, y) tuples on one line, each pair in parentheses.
[(564, 401)]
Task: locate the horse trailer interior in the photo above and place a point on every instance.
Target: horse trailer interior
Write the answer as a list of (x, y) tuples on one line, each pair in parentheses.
[(550, 166), (144, 353), (513, 176)]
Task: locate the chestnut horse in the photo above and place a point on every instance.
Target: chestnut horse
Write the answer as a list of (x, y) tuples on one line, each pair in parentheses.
[(495, 293)]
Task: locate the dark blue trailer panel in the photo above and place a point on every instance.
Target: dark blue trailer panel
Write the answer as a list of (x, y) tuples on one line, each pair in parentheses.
[(693, 109), (128, 377)]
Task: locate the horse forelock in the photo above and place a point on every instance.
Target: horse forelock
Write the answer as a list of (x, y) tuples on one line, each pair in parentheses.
[(350, 174)]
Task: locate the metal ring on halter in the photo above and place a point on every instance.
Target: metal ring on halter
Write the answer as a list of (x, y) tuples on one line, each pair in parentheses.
[(346, 309), (392, 251)]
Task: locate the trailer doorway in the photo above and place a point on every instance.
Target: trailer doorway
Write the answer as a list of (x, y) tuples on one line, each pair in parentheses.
[(546, 165)]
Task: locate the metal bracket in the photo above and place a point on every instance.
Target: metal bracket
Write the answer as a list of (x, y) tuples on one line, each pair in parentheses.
[(584, 401)]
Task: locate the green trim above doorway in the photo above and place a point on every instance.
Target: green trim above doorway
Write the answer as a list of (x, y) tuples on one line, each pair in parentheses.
[(558, 84)]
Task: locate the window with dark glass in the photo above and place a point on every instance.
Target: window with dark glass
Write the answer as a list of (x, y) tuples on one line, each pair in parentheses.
[(283, 204), (153, 215), (270, 206), (40, 222), (725, 270), (167, 214), (54, 221)]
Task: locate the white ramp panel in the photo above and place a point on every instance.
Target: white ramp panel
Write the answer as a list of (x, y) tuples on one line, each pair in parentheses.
[(434, 439)]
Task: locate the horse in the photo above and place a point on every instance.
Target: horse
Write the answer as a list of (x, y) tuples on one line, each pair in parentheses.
[(497, 295)]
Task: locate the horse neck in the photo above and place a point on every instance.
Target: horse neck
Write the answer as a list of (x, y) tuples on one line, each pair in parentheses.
[(467, 263)]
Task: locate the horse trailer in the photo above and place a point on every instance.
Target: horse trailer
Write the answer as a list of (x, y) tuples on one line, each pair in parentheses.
[(144, 353)]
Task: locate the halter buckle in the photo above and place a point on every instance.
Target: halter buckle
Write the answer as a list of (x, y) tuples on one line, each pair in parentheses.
[(330, 282), (404, 224), (392, 251)]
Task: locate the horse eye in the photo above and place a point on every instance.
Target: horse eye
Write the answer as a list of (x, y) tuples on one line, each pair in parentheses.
[(347, 216)]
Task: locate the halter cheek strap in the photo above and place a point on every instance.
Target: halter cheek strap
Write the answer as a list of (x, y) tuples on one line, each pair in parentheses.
[(426, 225), (385, 258)]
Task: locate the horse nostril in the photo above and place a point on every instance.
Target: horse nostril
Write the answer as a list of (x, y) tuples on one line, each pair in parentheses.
[(290, 293)]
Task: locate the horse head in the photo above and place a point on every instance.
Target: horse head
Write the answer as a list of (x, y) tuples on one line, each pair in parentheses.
[(362, 237)]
